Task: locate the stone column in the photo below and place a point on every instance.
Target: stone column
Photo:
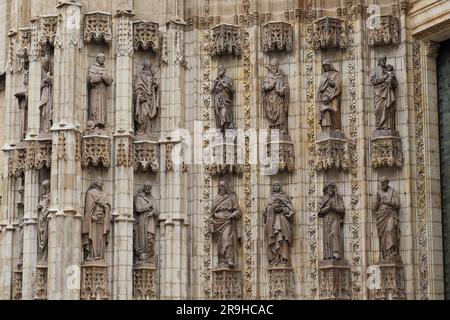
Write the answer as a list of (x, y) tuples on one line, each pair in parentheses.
[(64, 245), (123, 164)]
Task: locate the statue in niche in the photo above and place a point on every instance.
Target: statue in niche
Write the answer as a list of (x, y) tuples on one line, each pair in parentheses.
[(46, 101), (386, 209), (147, 102), (20, 216), (96, 222), (278, 216), (22, 98), (329, 97), (146, 220), (99, 80), (276, 98), (384, 83), (332, 210), (222, 91), (43, 219), (224, 225)]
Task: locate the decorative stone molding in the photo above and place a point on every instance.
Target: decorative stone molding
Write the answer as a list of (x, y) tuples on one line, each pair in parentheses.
[(39, 154), (146, 36), (35, 48), (280, 155), (225, 40), (331, 152), (334, 280), (386, 149), (98, 27), (222, 156), (145, 283), (432, 49), (169, 157), (329, 33), (124, 151), (392, 282), (11, 48), (124, 33), (47, 30), (94, 281), (23, 50), (40, 282), (281, 283), (146, 156), (96, 151), (387, 31), (17, 160), (17, 285), (226, 284), (277, 36)]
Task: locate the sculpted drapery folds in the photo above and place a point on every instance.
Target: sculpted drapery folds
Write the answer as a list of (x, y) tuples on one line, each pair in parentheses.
[(278, 216), (386, 209), (43, 219), (20, 214), (99, 80), (329, 97), (384, 83), (224, 225), (96, 220), (332, 210), (222, 91), (146, 220), (276, 98), (147, 101), (46, 102), (22, 98)]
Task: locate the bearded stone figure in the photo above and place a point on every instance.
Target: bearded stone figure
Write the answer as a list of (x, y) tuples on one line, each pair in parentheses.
[(43, 219), (278, 216), (99, 80), (329, 97), (46, 102), (147, 102), (276, 98), (146, 220), (96, 220), (332, 210), (384, 84), (386, 208), (224, 225), (222, 91)]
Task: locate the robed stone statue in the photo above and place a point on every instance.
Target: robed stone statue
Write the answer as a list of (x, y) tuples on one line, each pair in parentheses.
[(222, 92), (43, 219), (99, 80), (332, 210), (329, 98), (20, 213), (278, 216), (96, 222), (224, 225), (22, 98), (386, 209), (147, 101), (384, 84), (146, 220), (276, 98), (46, 101)]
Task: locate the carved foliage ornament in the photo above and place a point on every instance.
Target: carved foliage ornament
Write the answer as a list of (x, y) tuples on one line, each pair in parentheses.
[(97, 27), (385, 30), (124, 34), (329, 33), (277, 36), (146, 35), (225, 40)]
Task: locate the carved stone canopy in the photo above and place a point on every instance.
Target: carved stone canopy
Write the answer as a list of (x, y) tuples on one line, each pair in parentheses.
[(277, 36), (329, 33), (225, 40), (146, 155), (146, 35), (386, 149), (385, 30), (96, 151), (98, 27), (23, 51), (47, 30)]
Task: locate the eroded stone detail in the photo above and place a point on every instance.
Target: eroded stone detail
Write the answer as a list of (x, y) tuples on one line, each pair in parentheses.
[(331, 151), (334, 280), (17, 285), (225, 40), (146, 36), (146, 156), (40, 282), (392, 282), (281, 283), (385, 31), (96, 151), (94, 281), (98, 27), (386, 149), (47, 30), (329, 33), (145, 283), (277, 36), (226, 284)]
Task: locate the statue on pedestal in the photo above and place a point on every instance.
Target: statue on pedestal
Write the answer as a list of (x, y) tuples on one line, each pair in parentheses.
[(222, 91), (43, 219), (46, 102), (147, 102), (20, 215), (22, 98), (329, 97)]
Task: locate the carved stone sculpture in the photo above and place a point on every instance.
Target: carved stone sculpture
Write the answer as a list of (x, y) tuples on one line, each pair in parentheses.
[(99, 80), (329, 33), (22, 98), (20, 215), (278, 216), (222, 91), (277, 36), (332, 210), (224, 225), (386, 30), (97, 27), (225, 40), (146, 221), (43, 220), (146, 35), (96, 222), (329, 98), (147, 102), (276, 98), (46, 102)]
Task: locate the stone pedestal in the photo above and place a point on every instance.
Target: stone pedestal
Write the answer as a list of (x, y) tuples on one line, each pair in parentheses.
[(334, 280), (280, 154), (40, 282), (281, 283), (96, 151), (17, 285), (331, 151), (226, 284), (146, 154), (145, 282), (392, 281), (386, 149), (94, 281), (223, 156)]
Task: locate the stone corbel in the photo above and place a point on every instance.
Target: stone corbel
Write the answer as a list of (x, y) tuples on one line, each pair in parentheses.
[(98, 27), (225, 40), (277, 36), (146, 36), (385, 31), (17, 160), (329, 33)]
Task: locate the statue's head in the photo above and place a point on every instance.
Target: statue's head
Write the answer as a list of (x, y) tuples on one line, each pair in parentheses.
[(330, 189), (147, 65), (101, 59), (148, 187), (223, 188), (46, 185), (274, 65), (222, 71), (276, 186), (382, 61), (99, 182), (384, 183), (327, 66)]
